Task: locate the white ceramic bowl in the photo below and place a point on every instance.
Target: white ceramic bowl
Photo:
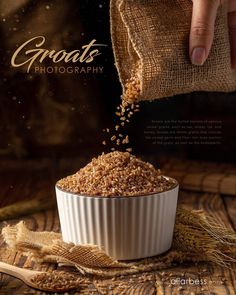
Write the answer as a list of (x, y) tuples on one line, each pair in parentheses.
[(126, 228)]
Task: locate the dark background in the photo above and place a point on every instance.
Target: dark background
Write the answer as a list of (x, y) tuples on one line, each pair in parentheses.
[(62, 115)]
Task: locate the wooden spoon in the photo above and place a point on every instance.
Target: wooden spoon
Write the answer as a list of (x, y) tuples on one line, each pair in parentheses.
[(27, 275)]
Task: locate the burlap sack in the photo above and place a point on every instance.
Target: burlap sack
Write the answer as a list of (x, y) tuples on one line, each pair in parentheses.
[(155, 34)]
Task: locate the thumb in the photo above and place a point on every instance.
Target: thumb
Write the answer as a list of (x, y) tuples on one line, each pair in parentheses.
[(202, 29)]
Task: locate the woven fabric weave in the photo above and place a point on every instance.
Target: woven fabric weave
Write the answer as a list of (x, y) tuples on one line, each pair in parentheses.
[(155, 35)]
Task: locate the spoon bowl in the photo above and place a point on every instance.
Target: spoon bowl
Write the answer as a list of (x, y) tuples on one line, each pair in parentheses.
[(28, 277)]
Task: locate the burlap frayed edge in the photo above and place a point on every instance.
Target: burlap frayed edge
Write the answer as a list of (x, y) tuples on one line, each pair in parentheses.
[(49, 247)]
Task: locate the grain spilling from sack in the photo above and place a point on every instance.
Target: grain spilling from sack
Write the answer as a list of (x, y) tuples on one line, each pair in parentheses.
[(116, 174), (132, 87), (125, 111)]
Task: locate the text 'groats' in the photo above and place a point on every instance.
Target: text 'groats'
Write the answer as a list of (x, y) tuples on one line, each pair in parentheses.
[(23, 56)]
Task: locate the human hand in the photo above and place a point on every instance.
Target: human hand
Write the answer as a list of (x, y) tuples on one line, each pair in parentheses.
[(202, 29)]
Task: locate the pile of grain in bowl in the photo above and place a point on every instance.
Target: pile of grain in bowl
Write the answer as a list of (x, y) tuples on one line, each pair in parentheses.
[(116, 174)]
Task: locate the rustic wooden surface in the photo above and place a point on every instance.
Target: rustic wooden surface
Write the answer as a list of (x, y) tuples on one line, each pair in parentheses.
[(37, 178)]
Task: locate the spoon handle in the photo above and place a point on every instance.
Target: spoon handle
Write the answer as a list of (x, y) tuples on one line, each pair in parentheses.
[(14, 270)]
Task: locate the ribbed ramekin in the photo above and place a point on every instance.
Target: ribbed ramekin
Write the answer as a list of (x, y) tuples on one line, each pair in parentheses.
[(126, 228)]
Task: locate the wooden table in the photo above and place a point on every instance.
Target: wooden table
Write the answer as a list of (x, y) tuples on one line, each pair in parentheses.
[(24, 180)]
